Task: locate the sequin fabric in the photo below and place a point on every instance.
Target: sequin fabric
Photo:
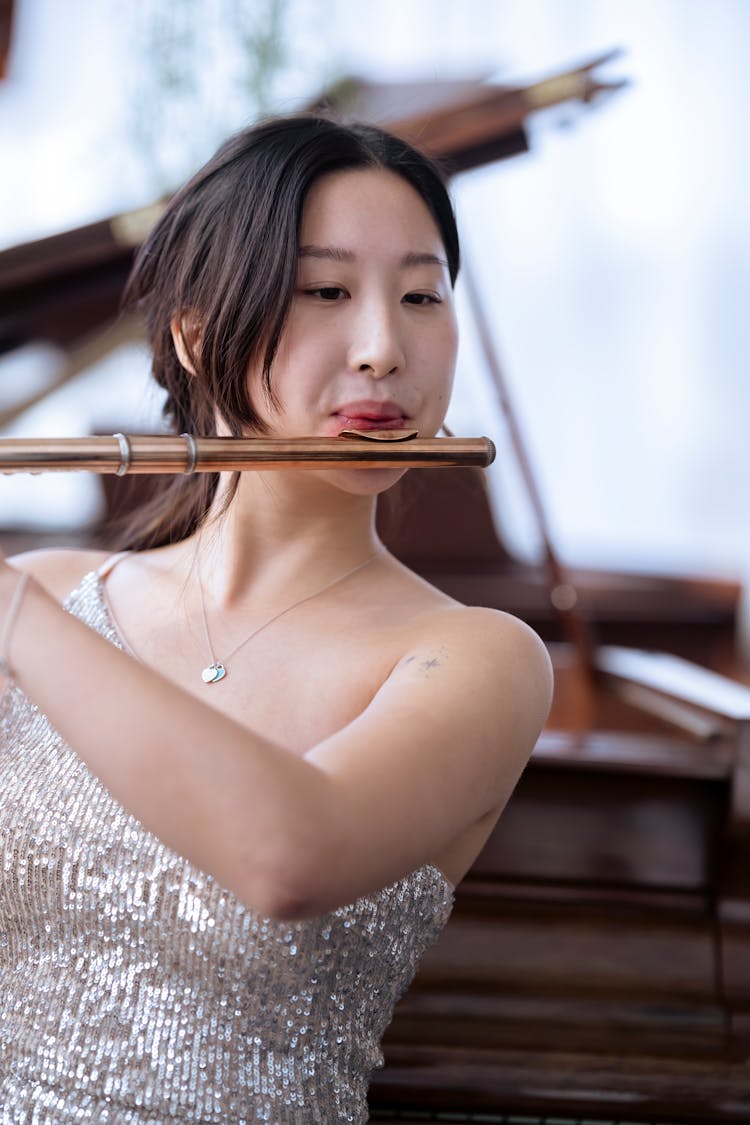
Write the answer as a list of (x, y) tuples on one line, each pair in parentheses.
[(135, 990)]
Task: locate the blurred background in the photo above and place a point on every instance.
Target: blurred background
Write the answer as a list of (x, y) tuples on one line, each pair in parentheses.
[(612, 258)]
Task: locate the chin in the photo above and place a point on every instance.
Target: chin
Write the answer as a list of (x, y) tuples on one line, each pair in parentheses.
[(364, 482)]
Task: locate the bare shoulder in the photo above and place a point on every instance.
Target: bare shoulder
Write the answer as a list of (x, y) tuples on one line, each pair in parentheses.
[(490, 632), (485, 641), (494, 652), (505, 636), (435, 615), (59, 571)]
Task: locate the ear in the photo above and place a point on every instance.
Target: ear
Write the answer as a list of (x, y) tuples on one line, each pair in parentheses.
[(186, 337)]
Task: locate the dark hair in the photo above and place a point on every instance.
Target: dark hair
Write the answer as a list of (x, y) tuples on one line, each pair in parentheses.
[(224, 256)]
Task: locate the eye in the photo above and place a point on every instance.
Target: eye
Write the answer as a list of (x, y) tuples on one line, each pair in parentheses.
[(421, 299), (327, 293)]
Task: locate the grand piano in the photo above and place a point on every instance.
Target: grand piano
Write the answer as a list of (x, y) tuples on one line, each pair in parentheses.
[(597, 965), (65, 291)]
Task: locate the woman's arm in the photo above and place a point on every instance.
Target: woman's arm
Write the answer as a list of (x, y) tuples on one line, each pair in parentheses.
[(441, 744)]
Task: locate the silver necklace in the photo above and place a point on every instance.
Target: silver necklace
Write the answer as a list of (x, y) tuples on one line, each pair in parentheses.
[(217, 669)]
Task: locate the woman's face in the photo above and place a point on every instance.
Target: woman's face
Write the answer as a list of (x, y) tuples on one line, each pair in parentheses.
[(370, 340)]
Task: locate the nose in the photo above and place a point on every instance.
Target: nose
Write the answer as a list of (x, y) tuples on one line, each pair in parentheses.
[(376, 345)]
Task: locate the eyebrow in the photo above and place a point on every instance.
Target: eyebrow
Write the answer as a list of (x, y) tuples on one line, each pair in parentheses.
[(336, 254)]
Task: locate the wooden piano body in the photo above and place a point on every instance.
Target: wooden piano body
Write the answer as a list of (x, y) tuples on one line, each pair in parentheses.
[(598, 960), (597, 964)]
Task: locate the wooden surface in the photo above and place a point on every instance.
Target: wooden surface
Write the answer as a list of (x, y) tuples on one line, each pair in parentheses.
[(598, 954)]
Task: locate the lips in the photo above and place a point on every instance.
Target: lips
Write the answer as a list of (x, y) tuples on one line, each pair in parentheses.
[(370, 416)]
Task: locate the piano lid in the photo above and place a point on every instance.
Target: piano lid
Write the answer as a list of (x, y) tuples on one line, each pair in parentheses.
[(470, 123), (61, 288)]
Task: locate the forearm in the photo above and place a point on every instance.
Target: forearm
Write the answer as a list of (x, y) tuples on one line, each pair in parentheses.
[(238, 806)]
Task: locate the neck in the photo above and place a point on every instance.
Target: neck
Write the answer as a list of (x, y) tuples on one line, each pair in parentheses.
[(276, 539)]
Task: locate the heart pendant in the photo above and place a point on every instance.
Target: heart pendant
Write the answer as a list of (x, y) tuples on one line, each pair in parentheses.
[(213, 673)]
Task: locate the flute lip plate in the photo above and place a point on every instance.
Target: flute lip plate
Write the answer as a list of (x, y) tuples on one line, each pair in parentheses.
[(380, 435)]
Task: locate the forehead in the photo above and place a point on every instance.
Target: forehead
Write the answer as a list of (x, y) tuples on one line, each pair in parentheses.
[(366, 205)]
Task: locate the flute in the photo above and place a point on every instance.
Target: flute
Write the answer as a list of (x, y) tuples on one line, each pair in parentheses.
[(123, 454)]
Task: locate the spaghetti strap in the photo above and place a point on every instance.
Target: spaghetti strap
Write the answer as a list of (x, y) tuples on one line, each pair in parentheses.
[(110, 563)]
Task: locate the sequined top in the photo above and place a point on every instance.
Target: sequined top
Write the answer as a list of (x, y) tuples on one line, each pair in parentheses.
[(134, 989)]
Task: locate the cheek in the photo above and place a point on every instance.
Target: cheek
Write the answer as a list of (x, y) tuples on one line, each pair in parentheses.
[(285, 379), (453, 336), (444, 337), (443, 355), (440, 376)]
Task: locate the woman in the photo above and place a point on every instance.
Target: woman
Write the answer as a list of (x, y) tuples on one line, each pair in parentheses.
[(244, 771)]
